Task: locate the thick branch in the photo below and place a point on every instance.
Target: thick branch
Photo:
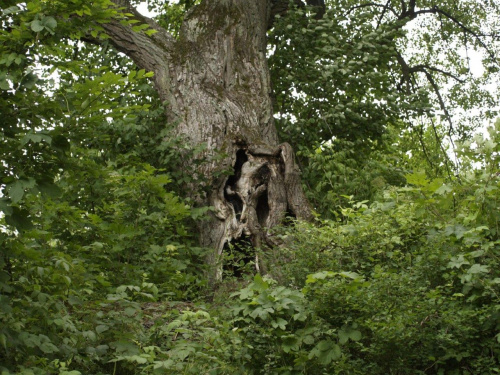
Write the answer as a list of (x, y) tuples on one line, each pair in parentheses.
[(425, 68), (444, 108), (403, 6), (420, 134), (405, 69), (148, 52)]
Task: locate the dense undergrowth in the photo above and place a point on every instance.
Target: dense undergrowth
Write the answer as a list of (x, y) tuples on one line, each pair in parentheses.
[(100, 273), (406, 284)]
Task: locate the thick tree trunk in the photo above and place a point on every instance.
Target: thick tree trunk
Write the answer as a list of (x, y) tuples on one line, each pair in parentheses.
[(216, 83)]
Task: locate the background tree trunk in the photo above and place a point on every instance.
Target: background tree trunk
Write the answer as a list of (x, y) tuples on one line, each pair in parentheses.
[(216, 82)]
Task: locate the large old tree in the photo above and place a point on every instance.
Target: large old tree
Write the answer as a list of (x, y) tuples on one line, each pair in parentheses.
[(215, 81)]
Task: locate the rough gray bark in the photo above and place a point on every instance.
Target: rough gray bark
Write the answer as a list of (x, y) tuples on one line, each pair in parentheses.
[(216, 83)]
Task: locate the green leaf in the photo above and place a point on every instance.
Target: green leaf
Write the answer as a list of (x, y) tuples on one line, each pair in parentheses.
[(137, 359), (418, 178), (309, 340), (457, 262), (4, 84), (37, 26), (5, 207), (49, 189), (259, 284), (456, 229), (244, 293), (3, 341), (150, 32), (478, 268), (19, 218), (85, 103), (326, 351), (343, 337), (132, 74), (101, 328), (261, 312), (140, 27), (444, 189), (348, 332), (60, 143), (50, 23), (16, 191), (350, 275), (279, 323), (36, 138), (319, 276), (90, 335), (48, 347), (10, 10), (163, 364), (130, 311), (290, 343), (74, 301)]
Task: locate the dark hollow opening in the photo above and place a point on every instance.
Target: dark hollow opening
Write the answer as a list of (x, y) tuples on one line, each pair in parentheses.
[(290, 217), (241, 158), (234, 199), (263, 174), (236, 202), (238, 257), (263, 209)]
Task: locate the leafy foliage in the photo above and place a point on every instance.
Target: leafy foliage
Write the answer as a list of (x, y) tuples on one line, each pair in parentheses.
[(416, 272), (100, 272), (89, 231), (366, 73)]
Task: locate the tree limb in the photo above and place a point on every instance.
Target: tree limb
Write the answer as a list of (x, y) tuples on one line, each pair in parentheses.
[(148, 52), (448, 119), (442, 104), (468, 30), (403, 6), (386, 7), (420, 133), (410, 13), (405, 70), (425, 68)]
